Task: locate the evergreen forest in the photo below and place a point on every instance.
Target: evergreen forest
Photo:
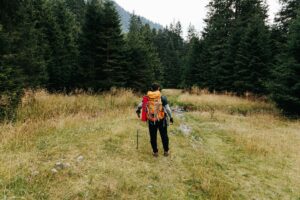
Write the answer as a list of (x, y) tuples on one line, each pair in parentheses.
[(69, 45)]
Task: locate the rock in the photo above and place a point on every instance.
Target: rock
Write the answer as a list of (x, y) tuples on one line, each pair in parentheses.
[(59, 166), (67, 165), (35, 173), (186, 130), (80, 158), (178, 111), (54, 171)]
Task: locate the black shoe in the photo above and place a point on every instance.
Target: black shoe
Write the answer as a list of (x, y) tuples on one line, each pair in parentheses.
[(155, 154), (166, 153)]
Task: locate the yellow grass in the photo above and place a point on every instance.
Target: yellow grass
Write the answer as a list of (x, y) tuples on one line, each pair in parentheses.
[(244, 150), (226, 103)]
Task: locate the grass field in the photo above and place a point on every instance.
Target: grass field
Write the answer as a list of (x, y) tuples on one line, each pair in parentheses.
[(84, 147)]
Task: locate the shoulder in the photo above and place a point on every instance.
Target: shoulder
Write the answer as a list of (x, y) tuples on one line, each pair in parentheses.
[(164, 100)]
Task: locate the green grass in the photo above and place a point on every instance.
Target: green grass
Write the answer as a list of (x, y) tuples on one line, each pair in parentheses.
[(248, 154)]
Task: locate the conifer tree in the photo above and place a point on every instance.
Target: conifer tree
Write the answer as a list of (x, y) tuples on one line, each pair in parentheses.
[(8, 14), (23, 64), (91, 44), (62, 35), (155, 63), (193, 65), (287, 14), (141, 58), (171, 53), (113, 51), (11, 83), (252, 55), (285, 83), (78, 8), (280, 30), (216, 36), (31, 44)]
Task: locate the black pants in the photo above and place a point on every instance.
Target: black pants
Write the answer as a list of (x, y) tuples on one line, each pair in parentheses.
[(163, 130)]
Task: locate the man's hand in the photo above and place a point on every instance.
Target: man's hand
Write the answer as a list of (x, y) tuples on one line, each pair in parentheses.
[(138, 113), (171, 120)]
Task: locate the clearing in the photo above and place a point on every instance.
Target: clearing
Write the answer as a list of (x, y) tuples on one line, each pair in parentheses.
[(84, 147)]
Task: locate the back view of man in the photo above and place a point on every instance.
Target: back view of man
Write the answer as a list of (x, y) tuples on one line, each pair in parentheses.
[(157, 113)]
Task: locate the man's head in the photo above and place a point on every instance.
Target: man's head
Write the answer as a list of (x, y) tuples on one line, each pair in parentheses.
[(155, 87)]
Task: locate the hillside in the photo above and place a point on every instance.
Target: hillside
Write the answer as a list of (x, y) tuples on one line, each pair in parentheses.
[(125, 19), (84, 147)]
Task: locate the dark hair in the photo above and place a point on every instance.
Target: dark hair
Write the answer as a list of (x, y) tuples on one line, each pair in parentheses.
[(155, 86)]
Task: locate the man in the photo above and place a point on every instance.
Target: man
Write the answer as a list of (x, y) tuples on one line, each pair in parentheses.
[(158, 112)]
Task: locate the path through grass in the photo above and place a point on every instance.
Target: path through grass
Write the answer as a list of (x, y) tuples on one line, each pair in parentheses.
[(248, 154)]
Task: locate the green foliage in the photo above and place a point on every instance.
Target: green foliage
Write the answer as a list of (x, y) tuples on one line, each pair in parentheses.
[(68, 44), (216, 36), (252, 56), (113, 51), (144, 63), (62, 35), (285, 83), (78, 8), (102, 48), (8, 13), (31, 45), (193, 70), (234, 51), (10, 78), (287, 14), (90, 43), (171, 49)]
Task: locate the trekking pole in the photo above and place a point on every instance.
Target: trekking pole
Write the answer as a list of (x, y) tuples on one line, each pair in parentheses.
[(137, 139)]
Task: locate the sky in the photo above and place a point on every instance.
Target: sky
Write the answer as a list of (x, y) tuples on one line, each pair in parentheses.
[(187, 12)]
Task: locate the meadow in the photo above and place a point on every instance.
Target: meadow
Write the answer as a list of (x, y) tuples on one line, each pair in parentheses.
[(83, 146)]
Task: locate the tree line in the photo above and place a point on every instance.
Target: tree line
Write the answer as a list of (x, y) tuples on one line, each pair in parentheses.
[(240, 52), (63, 45)]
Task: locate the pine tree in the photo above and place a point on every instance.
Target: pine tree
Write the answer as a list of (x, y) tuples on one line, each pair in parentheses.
[(159, 42), (91, 44), (197, 72), (23, 21), (287, 14), (285, 83), (31, 45), (140, 57), (171, 48), (113, 51), (216, 36), (23, 46), (8, 14), (155, 63), (62, 34), (252, 55), (280, 30), (191, 72), (11, 83), (78, 8)]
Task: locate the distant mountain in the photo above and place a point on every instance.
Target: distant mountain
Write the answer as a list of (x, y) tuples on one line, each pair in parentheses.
[(125, 19)]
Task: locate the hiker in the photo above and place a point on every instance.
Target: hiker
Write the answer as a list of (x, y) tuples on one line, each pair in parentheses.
[(156, 111)]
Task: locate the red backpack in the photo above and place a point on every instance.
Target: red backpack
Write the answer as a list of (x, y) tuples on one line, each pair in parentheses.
[(144, 108)]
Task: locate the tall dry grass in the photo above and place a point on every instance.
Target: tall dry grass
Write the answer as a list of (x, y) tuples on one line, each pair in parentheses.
[(230, 155), (227, 103), (41, 111), (42, 105)]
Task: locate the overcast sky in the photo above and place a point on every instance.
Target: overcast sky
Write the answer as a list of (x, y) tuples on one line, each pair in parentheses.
[(186, 11)]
